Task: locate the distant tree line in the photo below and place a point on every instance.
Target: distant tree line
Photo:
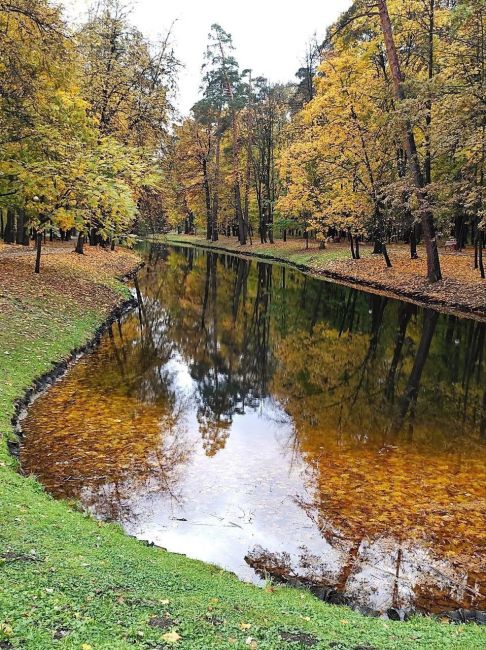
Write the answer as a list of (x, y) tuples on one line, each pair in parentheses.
[(382, 138)]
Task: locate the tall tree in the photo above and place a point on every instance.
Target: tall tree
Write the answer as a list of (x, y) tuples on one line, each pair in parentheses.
[(419, 180)]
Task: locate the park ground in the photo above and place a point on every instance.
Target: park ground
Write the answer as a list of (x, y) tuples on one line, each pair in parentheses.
[(461, 291), (68, 581)]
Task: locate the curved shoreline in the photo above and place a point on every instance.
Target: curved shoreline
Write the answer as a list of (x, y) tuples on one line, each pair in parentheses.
[(45, 381), (59, 368), (456, 309), (327, 594), (120, 564)]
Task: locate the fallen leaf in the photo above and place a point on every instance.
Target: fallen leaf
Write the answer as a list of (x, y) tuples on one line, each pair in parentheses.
[(171, 637)]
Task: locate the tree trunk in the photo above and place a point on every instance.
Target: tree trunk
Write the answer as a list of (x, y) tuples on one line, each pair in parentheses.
[(242, 229), (413, 243), (246, 211), (480, 253), (351, 243), (80, 244), (22, 233), (215, 206), (378, 247), (207, 198), (9, 232), (433, 263), (39, 251), (385, 255), (428, 106)]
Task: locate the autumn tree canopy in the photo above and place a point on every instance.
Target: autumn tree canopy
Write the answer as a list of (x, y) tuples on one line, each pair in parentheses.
[(85, 118), (381, 137)]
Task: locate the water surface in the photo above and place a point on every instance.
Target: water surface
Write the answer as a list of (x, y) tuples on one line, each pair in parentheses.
[(250, 416)]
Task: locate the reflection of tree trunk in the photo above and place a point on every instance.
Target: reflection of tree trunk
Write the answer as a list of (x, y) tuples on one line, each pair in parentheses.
[(214, 305), (116, 352), (475, 347), (347, 570), (141, 306), (378, 304), (303, 296), (395, 596), (482, 426), (378, 309), (206, 291), (404, 315), (260, 328), (241, 279), (317, 305), (411, 391), (348, 311)]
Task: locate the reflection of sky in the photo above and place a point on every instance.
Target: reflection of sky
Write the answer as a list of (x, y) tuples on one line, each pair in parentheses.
[(240, 498), (247, 496)]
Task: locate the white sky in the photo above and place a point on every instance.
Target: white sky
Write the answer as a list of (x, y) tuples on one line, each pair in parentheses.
[(269, 38)]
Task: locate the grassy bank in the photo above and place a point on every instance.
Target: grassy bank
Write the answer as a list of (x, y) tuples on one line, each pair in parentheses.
[(67, 581), (461, 292)]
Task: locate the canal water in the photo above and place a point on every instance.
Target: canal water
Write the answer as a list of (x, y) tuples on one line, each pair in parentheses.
[(277, 425)]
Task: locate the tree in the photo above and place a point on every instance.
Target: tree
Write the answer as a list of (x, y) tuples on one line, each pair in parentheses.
[(419, 179)]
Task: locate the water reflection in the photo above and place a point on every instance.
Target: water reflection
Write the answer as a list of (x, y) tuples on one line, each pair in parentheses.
[(248, 411)]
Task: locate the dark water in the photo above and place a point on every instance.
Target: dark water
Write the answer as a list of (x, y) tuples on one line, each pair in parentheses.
[(253, 417)]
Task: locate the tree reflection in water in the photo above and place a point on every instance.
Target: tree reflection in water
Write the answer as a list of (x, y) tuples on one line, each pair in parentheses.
[(323, 432)]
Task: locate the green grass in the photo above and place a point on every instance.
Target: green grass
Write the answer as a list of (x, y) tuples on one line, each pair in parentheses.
[(68, 581)]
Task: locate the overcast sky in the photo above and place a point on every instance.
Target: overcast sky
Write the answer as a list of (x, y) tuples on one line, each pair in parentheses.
[(269, 35)]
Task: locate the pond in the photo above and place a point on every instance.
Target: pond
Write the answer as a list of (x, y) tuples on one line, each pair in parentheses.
[(278, 425)]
